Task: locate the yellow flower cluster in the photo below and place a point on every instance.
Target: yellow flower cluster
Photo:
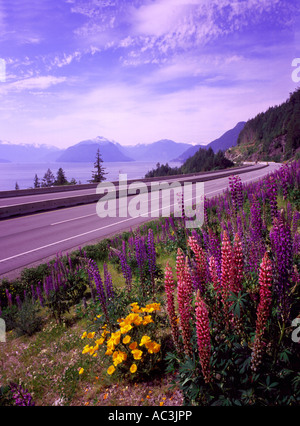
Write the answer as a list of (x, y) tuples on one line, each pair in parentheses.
[(130, 349), (93, 349)]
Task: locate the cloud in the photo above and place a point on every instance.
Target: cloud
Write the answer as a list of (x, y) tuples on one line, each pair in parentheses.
[(33, 83)]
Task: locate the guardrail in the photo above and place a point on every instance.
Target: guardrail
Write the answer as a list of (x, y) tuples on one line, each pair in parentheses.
[(71, 201), (65, 188)]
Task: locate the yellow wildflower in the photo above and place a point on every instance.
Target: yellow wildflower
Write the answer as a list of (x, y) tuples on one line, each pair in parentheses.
[(111, 369), (91, 335), (133, 368), (126, 328), (84, 335), (86, 349), (138, 320), (126, 339), (147, 319), (154, 348), (135, 307), (144, 340), (133, 345), (137, 354), (81, 371)]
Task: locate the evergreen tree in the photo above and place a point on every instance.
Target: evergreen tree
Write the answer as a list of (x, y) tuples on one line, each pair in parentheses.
[(73, 181), (36, 182), (61, 178), (17, 186), (48, 179), (98, 173)]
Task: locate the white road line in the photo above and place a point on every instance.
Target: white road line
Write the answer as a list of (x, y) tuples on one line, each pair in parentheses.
[(95, 230), (75, 218)]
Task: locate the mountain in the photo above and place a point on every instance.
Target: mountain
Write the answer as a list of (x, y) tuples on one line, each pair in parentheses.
[(188, 153), (273, 135), (161, 151), (85, 151), (227, 140), (25, 153)]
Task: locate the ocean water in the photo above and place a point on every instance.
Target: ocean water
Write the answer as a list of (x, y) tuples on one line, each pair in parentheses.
[(23, 174)]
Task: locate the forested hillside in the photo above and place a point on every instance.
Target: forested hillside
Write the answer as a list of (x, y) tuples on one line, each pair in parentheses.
[(273, 135), (203, 160)]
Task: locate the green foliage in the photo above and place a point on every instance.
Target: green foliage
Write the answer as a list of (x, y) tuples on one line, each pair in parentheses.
[(277, 121), (60, 178), (9, 314), (28, 319), (276, 383), (203, 160), (98, 175), (6, 397), (67, 295)]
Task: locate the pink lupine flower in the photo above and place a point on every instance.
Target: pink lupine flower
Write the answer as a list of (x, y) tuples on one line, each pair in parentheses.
[(226, 275), (170, 289), (214, 275), (203, 337), (184, 293), (202, 270), (237, 265), (263, 309)]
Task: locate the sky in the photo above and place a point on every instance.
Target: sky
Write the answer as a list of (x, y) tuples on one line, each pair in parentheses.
[(137, 71)]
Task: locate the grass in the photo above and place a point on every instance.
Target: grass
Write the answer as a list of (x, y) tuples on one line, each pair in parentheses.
[(48, 364)]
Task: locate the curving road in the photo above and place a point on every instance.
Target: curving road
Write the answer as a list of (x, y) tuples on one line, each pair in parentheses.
[(28, 240)]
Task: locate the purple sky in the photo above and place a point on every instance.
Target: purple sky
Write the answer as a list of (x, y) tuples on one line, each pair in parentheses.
[(136, 71)]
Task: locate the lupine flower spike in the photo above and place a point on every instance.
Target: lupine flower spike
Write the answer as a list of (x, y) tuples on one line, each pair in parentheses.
[(203, 337), (263, 309)]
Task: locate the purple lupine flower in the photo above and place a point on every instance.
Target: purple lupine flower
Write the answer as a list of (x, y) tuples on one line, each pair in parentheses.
[(126, 270), (108, 282), (296, 243), (236, 189), (281, 243), (21, 396), (295, 221), (92, 266), (257, 245), (140, 254), (284, 179), (33, 293), (9, 297), (271, 190), (18, 301), (39, 294)]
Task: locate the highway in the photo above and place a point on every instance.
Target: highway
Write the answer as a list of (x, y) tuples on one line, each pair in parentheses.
[(28, 240), (61, 193)]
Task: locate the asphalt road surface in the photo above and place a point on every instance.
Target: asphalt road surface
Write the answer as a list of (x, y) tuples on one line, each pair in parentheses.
[(28, 240), (23, 199)]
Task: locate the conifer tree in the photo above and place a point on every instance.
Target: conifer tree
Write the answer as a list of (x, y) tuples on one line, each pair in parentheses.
[(60, 178), (36, 182), (48, 179), (98, 174)]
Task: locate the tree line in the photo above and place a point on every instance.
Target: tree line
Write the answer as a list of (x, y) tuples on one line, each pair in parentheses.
[(203, 160), (50, 180), (276, 121), (98, 175)]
